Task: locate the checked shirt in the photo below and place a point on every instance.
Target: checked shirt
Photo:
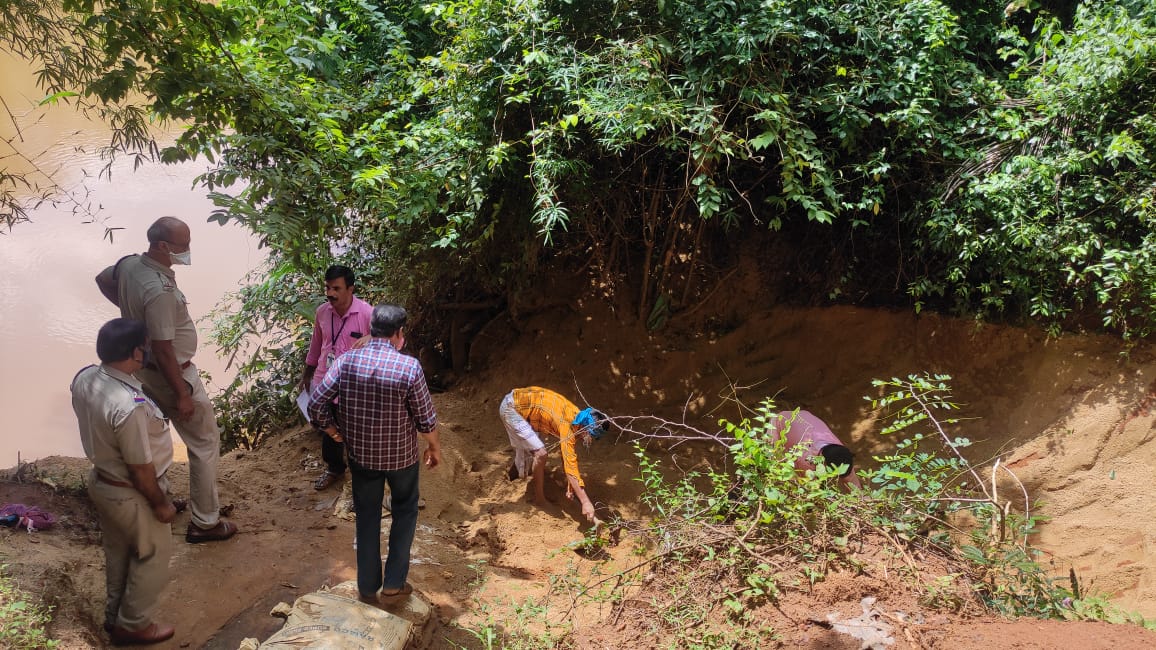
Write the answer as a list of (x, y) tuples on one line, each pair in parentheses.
[(384, 403)]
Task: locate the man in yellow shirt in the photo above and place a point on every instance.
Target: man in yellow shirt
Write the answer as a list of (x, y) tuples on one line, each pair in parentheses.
[(528, 413)]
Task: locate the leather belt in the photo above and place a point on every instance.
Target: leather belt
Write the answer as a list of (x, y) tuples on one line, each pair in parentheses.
[(153, 366), (104, 479)]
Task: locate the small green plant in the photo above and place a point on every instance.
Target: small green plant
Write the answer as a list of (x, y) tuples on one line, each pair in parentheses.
[(592, 545), (729, 541), (22, 621), (487, 634), (531, 628), (944, 593), (714, 636), (478, 567), (518, 625), (259, 401), (1098, 608), (927, 481)]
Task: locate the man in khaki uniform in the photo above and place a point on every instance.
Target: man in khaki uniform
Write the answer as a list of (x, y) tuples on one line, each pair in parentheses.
[(128, 442), (146, 289)]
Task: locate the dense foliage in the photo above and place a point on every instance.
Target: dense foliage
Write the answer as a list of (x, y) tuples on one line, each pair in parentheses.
[(1054, 213), (980, 156)]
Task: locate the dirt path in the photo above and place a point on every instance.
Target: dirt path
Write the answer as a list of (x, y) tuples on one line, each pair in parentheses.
[(291, 543)]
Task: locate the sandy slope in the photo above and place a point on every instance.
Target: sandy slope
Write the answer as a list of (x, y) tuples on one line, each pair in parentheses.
[(1072, 416)]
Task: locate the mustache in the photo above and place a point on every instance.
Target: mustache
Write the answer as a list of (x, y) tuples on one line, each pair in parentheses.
[(331, 298)]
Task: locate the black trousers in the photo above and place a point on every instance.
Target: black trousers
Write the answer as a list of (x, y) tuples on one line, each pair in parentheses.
[(333, 453)]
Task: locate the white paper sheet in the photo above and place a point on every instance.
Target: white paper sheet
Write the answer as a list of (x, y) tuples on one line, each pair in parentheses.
[(303, 404)]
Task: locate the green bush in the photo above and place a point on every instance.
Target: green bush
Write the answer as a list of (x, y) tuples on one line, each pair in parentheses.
[(763, 525), (266, 330), (22, 621)]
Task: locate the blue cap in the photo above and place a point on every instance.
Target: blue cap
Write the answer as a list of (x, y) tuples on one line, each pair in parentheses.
[(591, 420)]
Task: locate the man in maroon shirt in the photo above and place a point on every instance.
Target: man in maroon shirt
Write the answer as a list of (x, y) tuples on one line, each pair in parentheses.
[(382, 405), (802, 428)]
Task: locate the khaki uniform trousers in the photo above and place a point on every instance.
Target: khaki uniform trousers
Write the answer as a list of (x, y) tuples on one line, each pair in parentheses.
[(201, 436), (137, 549)]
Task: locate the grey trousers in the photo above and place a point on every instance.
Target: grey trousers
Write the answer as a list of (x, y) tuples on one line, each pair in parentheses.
[(201, 436)]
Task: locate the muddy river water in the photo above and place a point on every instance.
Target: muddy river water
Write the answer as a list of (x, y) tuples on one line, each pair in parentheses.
[(50, 308)]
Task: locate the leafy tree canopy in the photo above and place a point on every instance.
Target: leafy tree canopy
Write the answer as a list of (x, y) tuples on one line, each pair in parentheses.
[(995, 157)]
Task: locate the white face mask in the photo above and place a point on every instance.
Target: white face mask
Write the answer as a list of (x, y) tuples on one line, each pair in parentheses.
[(185, 258)]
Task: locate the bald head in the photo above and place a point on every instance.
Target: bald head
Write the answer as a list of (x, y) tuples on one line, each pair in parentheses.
[(169, 240), (167, 229)]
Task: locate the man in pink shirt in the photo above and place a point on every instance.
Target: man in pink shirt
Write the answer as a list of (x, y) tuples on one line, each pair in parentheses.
[(340, 322), (803, 428)]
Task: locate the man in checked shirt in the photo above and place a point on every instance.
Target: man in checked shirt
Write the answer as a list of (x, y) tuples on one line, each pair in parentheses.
[(382, 405)]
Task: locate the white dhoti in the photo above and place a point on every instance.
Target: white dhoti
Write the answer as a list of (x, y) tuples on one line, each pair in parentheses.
[(523, 438)]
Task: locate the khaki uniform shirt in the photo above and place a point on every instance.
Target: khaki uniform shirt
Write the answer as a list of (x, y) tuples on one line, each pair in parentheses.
[(148, 292), (119, 425)]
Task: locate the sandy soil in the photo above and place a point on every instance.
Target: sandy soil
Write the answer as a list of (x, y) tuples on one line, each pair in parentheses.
[(1071, 415)]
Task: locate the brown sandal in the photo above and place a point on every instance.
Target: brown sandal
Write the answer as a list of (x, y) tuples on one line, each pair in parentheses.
[(405, 590), (325, 480)]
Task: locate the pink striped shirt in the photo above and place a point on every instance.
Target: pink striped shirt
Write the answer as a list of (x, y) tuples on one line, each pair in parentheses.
[(334, 335)]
